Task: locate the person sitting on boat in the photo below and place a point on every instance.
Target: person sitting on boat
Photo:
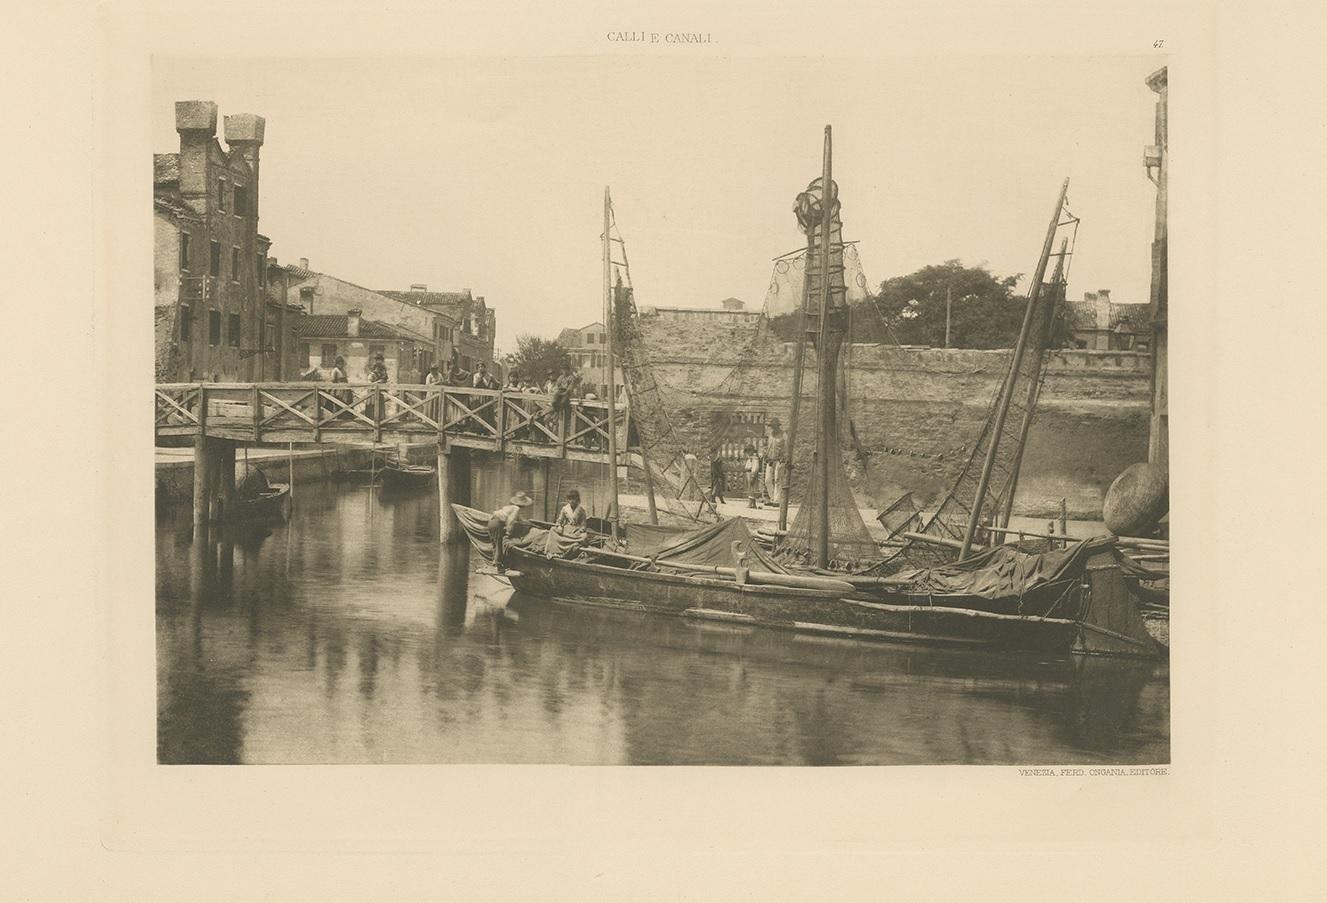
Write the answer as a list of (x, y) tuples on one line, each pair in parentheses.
[(505, 522), (573, 516)]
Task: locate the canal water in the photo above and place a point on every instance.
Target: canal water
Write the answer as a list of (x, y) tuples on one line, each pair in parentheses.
[(348, 635)]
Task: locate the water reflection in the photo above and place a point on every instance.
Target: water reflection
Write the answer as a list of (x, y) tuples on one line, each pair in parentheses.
[(349, 635)]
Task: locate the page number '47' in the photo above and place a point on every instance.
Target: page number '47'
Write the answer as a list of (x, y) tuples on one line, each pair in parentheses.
[(1159, 42)]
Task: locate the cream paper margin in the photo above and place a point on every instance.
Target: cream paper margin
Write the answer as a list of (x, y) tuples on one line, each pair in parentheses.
[(499, 832)]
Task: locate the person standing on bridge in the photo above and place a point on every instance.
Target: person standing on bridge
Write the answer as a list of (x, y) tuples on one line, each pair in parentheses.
[(377, 373), (338, 375)]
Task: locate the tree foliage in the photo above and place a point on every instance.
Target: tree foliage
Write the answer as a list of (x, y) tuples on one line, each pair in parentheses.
[(536, 357), (910, 310)]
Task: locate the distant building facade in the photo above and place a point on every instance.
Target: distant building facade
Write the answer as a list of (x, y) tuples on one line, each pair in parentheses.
[(588, 347), (466, 324), (730, 312), (322, 338), (321, 294), (1099, 324), (209, 260)]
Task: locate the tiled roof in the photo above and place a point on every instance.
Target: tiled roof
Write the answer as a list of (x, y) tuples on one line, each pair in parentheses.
[(165, 168), (1083, 315), (335, 326), (454, 304)]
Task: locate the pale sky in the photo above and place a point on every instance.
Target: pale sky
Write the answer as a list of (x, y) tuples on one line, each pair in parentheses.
[(488, 174)]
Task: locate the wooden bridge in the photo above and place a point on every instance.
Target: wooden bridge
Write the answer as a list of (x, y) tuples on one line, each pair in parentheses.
[(217, 417), (375, 413)]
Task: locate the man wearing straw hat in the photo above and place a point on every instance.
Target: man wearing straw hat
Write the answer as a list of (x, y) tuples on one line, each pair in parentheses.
[(506, 521)]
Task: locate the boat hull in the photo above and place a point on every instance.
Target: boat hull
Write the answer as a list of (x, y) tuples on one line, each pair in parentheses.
[(269, 505), (787, 608)]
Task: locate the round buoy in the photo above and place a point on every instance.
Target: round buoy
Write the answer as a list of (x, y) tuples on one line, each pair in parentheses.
[(1137, 500)]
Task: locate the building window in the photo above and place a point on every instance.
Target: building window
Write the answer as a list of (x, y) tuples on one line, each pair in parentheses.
[(306, 298), (221, 195), (377, 349), (214, 327), (186, 323), (184, 251), (328, 355), (233, 330), (304, 355), (262, 270), (234, 264), (214, 259), (241, 201)]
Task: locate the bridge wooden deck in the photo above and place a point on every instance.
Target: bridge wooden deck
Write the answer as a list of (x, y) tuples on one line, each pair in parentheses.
[(375, 413)]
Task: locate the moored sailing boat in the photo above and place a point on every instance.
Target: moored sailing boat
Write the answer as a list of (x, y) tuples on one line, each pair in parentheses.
[(1061, 605)]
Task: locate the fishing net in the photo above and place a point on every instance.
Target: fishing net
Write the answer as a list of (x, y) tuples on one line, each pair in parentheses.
[(788, 281), (668, 463)]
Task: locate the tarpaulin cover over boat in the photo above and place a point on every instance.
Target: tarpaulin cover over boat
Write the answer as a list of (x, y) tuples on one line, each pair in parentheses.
[(713, 545), (999, 572), (646, 539)]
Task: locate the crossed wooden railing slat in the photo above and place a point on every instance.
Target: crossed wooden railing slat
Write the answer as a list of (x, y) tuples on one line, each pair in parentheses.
[(489, 415)]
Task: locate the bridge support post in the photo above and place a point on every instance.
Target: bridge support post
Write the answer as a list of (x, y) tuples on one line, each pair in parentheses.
[(453, 487), (214, 480), (226, 479), (204, 449)]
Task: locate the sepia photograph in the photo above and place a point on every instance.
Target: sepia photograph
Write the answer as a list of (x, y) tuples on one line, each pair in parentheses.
[(813, 436), (662, 451)]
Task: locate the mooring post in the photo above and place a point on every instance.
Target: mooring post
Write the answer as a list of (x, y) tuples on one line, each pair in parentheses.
[(453, 487)]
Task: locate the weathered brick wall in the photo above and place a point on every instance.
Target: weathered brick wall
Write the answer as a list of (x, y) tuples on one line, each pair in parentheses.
[(917, 411)]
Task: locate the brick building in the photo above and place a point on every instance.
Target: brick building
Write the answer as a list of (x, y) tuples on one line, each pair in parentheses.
[(209, 260)]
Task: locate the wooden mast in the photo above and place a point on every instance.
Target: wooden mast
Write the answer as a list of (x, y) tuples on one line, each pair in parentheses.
[(1002, 405), (1034, 384), (826, 375), (612, 368)]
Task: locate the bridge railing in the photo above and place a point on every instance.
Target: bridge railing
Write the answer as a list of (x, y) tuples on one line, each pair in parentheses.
[(361, 412)]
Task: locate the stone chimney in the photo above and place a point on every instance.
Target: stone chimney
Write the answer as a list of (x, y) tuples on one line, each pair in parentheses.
[(196, 122), (244, 133), (304, 263), (419, 287), (1103, 308), (352, 322)]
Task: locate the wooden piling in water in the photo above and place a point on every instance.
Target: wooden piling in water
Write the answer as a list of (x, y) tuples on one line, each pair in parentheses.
[(453, 488), (202, 469)]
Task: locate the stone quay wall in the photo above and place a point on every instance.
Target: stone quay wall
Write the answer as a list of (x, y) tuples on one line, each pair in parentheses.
[(915, 411)]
